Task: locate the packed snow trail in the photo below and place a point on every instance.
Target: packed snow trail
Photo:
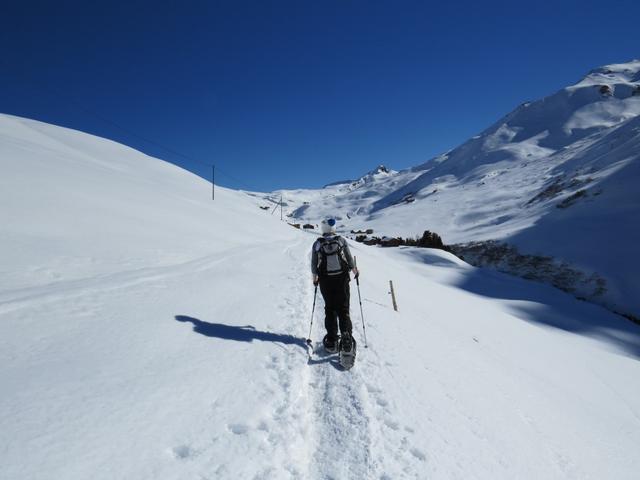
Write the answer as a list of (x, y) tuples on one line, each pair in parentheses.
[(193, 373), (149, 333)]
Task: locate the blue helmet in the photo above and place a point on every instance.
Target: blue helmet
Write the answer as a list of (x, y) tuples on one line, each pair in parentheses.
[(328, 225)]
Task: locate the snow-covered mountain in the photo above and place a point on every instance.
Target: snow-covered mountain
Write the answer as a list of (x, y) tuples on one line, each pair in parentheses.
[(556, 177), (148, 332)]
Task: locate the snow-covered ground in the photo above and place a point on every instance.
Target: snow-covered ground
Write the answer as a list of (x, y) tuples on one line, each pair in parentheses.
[(148, 332), (555, 177)]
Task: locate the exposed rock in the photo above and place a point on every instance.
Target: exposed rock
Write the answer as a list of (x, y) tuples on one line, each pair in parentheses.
[(567, 202), (557, 187), (506, 258), (605, 90)]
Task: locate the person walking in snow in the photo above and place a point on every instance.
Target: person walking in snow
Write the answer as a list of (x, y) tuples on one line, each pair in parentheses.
[(331, 262)]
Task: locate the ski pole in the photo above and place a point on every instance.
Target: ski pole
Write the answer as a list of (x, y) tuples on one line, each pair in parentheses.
[(364, 331), (315, 293)]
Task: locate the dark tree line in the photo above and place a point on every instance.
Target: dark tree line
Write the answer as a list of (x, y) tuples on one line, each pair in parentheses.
[(427, 240)]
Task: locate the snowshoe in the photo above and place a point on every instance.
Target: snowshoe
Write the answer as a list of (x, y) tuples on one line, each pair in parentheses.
[(331, 343), (347, 354)]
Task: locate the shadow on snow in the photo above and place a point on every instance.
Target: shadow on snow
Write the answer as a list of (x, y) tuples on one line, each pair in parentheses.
[(546, 305), (320, 356), (246, 333)]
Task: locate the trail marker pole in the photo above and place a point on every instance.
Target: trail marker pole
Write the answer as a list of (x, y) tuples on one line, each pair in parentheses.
[(393, 296)]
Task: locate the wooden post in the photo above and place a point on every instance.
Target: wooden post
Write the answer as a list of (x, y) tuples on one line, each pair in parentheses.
[(393, 296)]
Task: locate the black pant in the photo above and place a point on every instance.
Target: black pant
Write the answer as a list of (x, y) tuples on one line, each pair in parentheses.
[(335, 291)]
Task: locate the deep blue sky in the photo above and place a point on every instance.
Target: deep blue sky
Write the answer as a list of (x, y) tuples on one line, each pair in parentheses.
[(298, 93)]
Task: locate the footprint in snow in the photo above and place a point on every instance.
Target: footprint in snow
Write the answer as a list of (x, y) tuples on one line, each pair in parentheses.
[(182, 452), (419, 454), (238, 428), (392, 424)]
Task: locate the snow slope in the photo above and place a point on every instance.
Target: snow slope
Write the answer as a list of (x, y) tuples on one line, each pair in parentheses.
[(147, 332), (578, 149)]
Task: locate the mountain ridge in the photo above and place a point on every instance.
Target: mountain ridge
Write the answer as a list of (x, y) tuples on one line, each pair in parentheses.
[(545, 158)]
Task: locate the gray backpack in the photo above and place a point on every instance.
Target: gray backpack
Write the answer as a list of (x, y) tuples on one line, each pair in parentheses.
[(332, 260)]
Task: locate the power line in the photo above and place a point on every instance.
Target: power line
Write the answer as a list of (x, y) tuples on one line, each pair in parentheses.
[(131, 133)]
